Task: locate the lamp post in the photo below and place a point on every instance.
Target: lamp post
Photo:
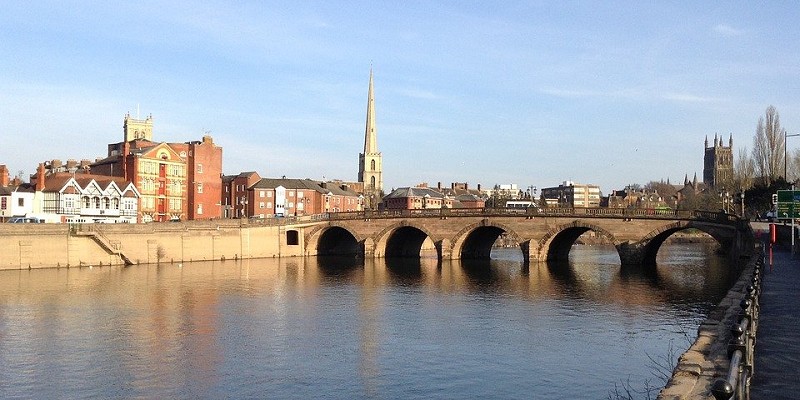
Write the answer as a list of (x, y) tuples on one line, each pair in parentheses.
[(786, 136), (741, 197)]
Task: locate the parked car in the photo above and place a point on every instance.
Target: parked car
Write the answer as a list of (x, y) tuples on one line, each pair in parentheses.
[(25, 220)]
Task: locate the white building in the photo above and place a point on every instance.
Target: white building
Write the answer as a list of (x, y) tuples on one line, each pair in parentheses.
[(83, 198), (16, 201)]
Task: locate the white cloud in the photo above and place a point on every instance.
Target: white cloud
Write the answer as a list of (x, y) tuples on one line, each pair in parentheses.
[(418, 94), (726, 30), (690, 98)]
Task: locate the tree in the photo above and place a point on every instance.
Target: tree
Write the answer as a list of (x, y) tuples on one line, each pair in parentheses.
[(794, 166), (768, 147), (744, 171)]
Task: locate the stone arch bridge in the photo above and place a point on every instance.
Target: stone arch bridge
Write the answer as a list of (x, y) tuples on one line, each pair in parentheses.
[(542, 235)]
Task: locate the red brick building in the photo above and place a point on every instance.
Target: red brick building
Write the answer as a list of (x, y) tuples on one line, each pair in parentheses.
[(416, 198), (250, 196), (175, 180)]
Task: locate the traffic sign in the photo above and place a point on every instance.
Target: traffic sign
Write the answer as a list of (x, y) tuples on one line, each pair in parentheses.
[(788, 206)]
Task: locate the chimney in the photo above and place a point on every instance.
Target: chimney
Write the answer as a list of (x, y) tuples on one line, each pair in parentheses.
[(479, 187), (40, 178), (439, 185), (3, 175)]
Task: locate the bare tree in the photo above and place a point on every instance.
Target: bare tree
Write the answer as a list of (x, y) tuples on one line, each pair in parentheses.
[(744, 171), (768, 146), (794, 166)]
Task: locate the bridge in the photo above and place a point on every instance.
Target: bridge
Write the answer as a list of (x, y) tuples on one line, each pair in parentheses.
[(541, 234)]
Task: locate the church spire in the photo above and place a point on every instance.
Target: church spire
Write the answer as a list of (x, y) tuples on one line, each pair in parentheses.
[(370, 162), (371, 133)]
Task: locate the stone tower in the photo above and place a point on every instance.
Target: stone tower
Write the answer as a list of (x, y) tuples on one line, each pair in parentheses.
[(718, 164), (138, 128), (370, 165)]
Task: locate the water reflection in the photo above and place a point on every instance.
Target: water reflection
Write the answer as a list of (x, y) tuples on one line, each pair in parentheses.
[(348, 327)]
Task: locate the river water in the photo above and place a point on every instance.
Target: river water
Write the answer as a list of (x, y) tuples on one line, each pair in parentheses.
[(340, 328)]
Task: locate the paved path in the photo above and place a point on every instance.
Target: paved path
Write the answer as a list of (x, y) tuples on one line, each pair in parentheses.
[(777, 353)]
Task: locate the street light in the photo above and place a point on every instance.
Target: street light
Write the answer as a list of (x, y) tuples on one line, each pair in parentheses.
[(785, 136)]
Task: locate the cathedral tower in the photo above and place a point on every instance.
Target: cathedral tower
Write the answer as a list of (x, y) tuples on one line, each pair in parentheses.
[(370, 165), (718, 163)]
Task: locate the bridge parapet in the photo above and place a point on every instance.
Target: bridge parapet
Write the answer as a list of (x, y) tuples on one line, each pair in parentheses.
[(597, 212)]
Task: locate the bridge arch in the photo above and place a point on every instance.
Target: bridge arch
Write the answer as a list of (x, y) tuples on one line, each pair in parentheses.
[(403, 239), (475, 241), (333, 239), (557, 242), (647, 248)]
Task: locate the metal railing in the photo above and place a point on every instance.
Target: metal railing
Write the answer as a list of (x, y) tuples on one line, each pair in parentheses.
[(741, 348)]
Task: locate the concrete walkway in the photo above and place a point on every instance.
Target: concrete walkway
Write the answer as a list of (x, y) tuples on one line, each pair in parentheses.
[(777, 351)]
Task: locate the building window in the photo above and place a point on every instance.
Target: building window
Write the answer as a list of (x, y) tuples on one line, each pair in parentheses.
[(372, 164), (199, 188), (21, 202), (199, 168), (261, 205), (292, 238), (269, 194), (3, 203), (199, 209)]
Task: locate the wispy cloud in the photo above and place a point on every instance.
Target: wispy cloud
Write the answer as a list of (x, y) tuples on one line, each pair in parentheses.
[(726, 30), (571, 94), (418, 94), (691, 98)]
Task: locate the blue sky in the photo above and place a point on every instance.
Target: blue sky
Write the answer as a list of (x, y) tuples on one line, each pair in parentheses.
[(532, 93)]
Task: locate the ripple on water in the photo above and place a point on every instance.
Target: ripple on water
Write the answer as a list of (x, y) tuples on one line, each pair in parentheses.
[(302, 328)]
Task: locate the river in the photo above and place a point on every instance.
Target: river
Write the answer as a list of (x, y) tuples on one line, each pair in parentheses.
[(340, 328)]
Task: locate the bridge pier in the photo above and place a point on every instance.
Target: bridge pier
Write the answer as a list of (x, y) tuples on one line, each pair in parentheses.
[(526, 251), (369, 248), (631, 253), (444, 249)]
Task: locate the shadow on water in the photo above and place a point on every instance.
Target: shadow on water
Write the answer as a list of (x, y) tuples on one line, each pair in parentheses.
[(562, 271), (405, 270), (645, 273), (481, 272), (339, 266)]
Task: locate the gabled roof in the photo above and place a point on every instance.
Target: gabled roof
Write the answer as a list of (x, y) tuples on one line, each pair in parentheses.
[(299, 184), (60, 181), (155, 149), (405, 192)]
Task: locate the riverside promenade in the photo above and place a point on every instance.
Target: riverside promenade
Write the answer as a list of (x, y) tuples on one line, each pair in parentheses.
[(777, 352)]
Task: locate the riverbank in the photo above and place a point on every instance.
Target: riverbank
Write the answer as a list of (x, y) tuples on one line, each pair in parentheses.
[(707, 358)]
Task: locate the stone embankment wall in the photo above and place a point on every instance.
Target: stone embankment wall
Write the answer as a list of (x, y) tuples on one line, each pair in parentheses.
[(24, 246), (707, 358)]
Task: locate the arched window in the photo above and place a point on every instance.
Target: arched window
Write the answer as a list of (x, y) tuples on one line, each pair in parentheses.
[(372, 164), (372, 182), (106, 203), (86, 202), (96, 202), (115, 203)]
